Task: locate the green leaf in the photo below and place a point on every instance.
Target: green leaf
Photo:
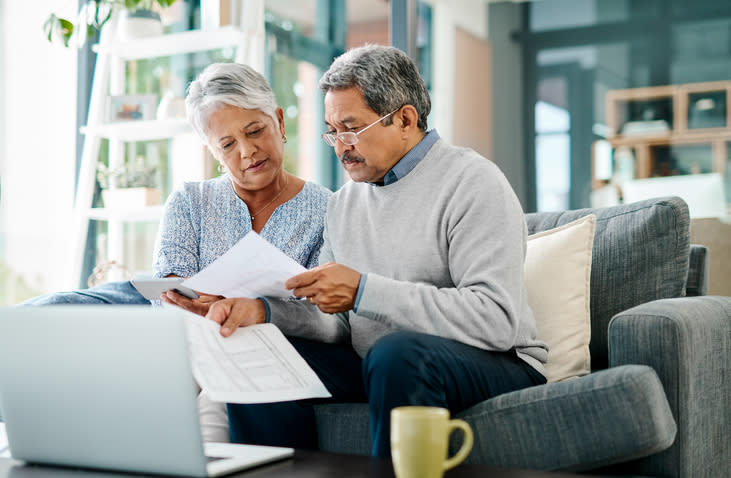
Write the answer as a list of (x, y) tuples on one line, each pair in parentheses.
[(56, 28), (48, 26), (67, 29), (106, 18)]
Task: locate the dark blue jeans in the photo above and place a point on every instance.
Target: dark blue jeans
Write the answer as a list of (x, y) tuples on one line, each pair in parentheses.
[(121, 293), (402, 368)]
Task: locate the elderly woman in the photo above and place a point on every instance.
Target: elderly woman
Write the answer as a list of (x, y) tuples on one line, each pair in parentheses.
[(234, 111)]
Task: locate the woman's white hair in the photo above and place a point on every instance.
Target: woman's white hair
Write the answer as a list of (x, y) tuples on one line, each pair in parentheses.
[(231, 84)]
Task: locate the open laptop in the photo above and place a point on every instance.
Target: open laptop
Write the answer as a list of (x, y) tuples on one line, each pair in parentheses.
[(108, 387)]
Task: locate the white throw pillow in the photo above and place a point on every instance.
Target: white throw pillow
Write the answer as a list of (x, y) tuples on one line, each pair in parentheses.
[(557, 274)]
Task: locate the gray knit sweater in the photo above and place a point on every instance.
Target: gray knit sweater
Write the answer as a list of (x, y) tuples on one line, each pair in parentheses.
[(443, 250)]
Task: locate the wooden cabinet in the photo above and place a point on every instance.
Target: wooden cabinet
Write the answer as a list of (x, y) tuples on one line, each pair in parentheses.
[(669, 130)]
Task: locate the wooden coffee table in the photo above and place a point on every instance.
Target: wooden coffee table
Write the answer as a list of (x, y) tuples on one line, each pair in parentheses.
[(304, 464)]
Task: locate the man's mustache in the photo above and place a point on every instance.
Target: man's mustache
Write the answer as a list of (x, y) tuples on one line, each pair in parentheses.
[(349, 157)]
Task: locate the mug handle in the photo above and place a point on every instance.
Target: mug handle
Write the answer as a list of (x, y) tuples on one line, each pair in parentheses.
[(466, 447)]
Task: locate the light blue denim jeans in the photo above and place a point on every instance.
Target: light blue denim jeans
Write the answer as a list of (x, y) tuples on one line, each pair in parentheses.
[(120, 293)]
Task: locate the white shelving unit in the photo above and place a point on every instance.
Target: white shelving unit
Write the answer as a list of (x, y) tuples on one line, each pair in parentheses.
[(139, 130), (173, 44), (109, 77)]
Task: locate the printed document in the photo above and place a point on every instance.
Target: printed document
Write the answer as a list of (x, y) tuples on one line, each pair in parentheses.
[(252, 268), (4, 448), (256, 364)]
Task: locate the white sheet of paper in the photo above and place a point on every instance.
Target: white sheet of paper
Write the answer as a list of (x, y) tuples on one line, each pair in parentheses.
[(256, 364), (252, 268), (4, 449)]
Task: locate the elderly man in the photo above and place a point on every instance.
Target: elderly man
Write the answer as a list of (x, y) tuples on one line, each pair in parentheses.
[(419, 296)]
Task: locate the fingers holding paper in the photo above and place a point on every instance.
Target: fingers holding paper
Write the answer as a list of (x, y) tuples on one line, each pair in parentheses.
[(331, 287), (236, 312), (198, 306)]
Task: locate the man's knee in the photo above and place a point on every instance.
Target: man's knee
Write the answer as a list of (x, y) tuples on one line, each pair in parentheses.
[(398, 353)]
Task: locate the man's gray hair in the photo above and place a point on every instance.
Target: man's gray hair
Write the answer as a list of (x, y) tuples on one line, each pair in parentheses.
[(386, 76), (231, 84)]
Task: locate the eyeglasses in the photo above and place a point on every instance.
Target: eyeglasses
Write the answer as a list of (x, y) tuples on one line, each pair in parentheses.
[(348, 137)]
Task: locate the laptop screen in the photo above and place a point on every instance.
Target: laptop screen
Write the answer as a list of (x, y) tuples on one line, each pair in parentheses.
[(101, 387)]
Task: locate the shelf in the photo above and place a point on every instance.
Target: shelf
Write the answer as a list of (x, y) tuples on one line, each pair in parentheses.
[(684, 149), (149, 214), (671, 103), (173, 43), (668, 139), (110, 79), (139, 130)]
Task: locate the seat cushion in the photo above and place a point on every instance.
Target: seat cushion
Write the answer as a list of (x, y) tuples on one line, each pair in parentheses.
[(640, 253), (606, 417)]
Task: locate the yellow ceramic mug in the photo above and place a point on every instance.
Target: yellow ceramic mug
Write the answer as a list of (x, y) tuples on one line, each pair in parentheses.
[(420, 440)]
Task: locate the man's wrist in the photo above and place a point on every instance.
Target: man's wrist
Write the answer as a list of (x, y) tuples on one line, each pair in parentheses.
[(359, 293)]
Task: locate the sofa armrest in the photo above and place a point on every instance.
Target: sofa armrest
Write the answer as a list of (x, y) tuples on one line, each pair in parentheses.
[(687, 341), (698, 271)]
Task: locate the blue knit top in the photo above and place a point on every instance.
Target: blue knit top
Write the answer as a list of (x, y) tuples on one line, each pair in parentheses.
[(204, 219)]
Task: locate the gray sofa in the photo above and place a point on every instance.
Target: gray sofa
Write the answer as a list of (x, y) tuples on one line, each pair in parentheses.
[(658, 400)]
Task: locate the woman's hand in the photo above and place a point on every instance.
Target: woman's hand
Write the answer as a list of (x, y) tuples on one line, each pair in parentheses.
[(199, 306), (237, 312)]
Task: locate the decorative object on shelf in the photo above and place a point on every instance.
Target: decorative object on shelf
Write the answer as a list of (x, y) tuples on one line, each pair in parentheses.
[(130, 107), (138, 23), (94, 14), (645, 127), (624, 166), (130, 185), (130, 198), (171, 107), (707, 110)]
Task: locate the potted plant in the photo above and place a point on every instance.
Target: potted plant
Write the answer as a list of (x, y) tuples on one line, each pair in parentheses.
[(133, 184), (94, 14)]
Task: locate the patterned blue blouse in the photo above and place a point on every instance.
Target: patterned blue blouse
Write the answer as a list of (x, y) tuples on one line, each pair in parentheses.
[(204, 219)]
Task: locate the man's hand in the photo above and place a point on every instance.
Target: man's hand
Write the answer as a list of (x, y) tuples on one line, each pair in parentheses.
[(331, 287), (237, 312), (198, 306)]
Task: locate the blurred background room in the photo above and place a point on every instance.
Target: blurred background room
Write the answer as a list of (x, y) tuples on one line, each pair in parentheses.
[(580, 102)]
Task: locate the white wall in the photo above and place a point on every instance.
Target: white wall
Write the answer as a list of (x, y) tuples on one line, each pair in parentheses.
[(38, 156), (447, 15)]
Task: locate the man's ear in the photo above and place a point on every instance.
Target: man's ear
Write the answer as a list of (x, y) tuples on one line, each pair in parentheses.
[(408, 117)]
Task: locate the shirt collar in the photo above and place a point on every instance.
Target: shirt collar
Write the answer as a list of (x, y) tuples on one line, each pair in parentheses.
[(411, 159)]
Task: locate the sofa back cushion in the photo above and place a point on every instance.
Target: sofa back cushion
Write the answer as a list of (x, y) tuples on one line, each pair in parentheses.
[(641, 253)]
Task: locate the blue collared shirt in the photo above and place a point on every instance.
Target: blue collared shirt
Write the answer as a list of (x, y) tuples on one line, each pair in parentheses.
[(399, 170), (411, 159)]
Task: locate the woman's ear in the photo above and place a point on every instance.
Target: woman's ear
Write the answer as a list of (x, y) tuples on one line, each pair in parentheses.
[(280, 119)]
